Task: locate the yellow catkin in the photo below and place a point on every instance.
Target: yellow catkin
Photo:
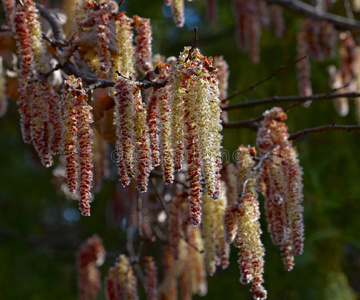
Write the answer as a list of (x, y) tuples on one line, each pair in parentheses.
[(208, 209), (222, 248), (245, 163), (124, 59)]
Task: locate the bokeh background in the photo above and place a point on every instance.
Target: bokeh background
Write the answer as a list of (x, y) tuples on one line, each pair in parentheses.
[(40, 230)]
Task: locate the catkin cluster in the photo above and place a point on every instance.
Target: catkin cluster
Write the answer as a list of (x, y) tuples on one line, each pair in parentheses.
[(90, 256), (317, 39), (121, 281), (280, 182), (77, 141), (250, 17), (38, 99), (241, 220)]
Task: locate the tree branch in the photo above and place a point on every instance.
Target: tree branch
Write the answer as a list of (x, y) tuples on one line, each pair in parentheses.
[(53, 21), (306, 131), (276, 100), (309, 11), (251, 124), (272, 76)]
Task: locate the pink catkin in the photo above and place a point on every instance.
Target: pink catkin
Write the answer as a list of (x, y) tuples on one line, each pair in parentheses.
[(142, 143), (278, 20), (174, 227), (111, 285), (281, 181), (194, 168), (90, 255), (242, 21), (143, 44), (151, 279), (84, 139), (124, 114), (152, 121), (54, 120), (77, 140), (230, 223), (69, 131), (39, 126), (166, 151), (24, 49), (212, 9), (303, 65)]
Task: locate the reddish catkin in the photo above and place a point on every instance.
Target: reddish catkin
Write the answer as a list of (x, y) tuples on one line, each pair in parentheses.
[(248, 26), (222, 248), (124, 280), (39, 129), (22, 36), (69, 132), (287, 252), (102, 46), (77, 141), (230, 222), (303, 65), (151, 279), (212, 9), (223, 78), (177, 113), (177, 8), (110, 288), (242, 21), (143, 44), (194, 163), (3, 98), (125, 129), (163, 104), (152, 121), (174, 226), (281, 178), (54, 119), (168, 289), (90, 256), (85, 155), (209, 233), (278, 20), (142, 143)]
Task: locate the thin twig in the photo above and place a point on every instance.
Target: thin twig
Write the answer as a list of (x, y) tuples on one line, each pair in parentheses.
[(158, 174), (53, 21), (251, 124), (348, 9), (134, 259), (276, 99), (193, 45), (273, 75), (309, 11), (306, 131), (253, 170), (164, 206), (161, 199)]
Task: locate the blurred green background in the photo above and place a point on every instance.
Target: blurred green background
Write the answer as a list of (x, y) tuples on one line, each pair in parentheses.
[(40, 230)]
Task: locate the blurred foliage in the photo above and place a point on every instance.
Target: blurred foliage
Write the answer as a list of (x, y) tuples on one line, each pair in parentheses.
[(39, 240)]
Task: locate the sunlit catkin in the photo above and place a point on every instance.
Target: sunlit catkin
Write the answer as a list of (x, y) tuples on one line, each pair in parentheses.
[(143, 44), (281, 184)]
